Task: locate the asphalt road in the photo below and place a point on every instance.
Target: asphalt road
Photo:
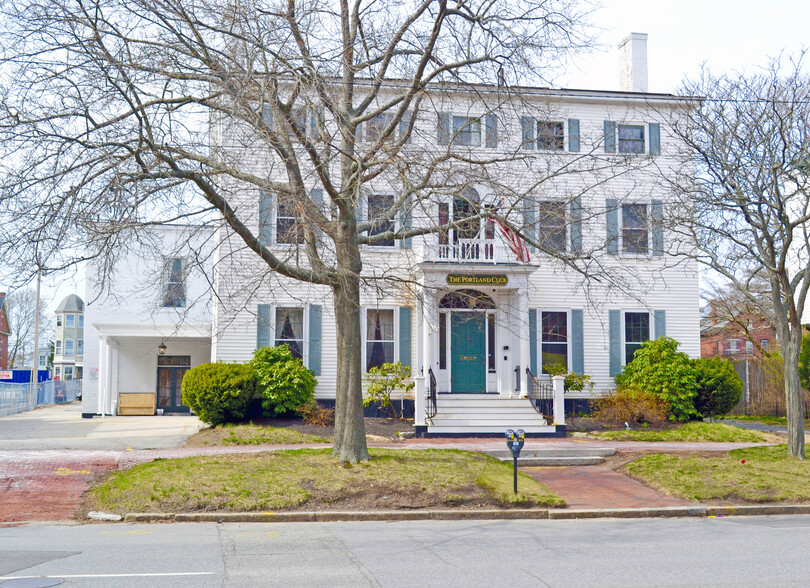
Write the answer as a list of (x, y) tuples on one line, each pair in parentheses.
[(731, 551)]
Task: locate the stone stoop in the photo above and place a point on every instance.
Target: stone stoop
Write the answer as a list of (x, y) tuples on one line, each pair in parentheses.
[(487, 414), (556, 457)]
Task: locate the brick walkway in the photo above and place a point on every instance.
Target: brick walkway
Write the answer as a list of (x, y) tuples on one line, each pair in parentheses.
[(599, 487)]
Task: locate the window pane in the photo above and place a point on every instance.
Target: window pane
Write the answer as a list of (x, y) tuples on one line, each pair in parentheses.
[(379, 337), (631, 139), (554, 353), (81, 321), (378, 205), (466, 131), (290, 329), (636, 331), (554, 340), (551, 226), (635, 233), (70, 320), (550, 135), (69, 347), (174, 291)]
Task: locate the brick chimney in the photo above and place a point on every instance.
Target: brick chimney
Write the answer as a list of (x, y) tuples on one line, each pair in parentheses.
[(633, 63)]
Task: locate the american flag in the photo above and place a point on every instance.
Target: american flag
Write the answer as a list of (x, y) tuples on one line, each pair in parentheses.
[(514, 242)]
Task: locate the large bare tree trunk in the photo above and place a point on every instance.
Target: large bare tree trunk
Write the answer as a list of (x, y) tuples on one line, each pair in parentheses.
[(791, 345)]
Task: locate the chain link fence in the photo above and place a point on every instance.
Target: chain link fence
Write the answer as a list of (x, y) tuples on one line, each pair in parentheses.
[(16, 398)]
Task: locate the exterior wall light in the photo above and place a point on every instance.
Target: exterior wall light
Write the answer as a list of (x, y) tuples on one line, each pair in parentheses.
[(161, 349)]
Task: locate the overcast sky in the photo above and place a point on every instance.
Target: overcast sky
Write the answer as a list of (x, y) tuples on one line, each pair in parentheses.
[(683, 34)]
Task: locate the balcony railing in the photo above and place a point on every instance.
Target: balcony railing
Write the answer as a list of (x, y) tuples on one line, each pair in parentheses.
[(470, 250)]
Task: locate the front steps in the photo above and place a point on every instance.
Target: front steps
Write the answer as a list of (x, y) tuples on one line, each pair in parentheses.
[(487, 414), (574, 456)]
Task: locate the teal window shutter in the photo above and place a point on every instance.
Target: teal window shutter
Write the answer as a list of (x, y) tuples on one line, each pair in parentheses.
[(612, 218), (265, 218), (615, 335), (315, 339), (404, 125), (573, 134), (491, 130), (577, 345), (406, 226), (315, 122), (317, 199), (529, 220), (527, 133), (660, 323), (657, 210), (532, 340), (444, 128), (576, 226), (263, 322), (610, 136), (405, 336), (655, 139)]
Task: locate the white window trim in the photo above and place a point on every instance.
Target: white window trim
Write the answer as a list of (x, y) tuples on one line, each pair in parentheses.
[(643, 125), (566, 225), (650, 333), (482, 130), (622, 252), (396, 220), (274, 226), (272, 330), (564, 123), (540, 312), (364, 330)]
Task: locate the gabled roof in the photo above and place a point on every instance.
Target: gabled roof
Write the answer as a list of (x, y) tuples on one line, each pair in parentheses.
[(71, 303)]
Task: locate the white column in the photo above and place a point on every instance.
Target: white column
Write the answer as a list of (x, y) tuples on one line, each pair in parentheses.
[(108, 379), (559, 399), (102, 374), (430, 325), (525, 353), (419, 402), (113, 396)]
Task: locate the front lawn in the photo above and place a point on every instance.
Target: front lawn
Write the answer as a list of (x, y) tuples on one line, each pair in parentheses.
[(754, 474), (695, 431), (309, 479), (250, 434)]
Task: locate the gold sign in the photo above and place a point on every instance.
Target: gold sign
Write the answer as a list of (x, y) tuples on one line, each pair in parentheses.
[(462, 280)]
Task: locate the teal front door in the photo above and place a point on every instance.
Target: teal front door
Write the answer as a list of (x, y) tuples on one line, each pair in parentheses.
[(468, 352)]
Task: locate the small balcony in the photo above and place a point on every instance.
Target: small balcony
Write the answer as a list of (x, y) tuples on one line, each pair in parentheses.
[(470, 251)]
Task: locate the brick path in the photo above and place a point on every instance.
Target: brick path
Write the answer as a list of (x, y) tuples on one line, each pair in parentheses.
[(599, 487)]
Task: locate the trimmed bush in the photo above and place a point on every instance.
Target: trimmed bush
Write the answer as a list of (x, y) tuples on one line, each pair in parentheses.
[(383, 381), (629, 404), (659, 368), (219, 392), (282, 380), (719, 386)]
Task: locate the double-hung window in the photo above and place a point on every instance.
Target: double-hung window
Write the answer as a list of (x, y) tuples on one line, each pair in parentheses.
[(550, 135), (288, 229), (636, 332), (631, 138), (58, 320), (554, 339), (466, 131), (290, 329), (375, 127), (70, 320), (635, 229), (551, 226), (58, 349), (379, 337), (174, 288), (378, 206), (81, 321), (69, 346), (80, 347)]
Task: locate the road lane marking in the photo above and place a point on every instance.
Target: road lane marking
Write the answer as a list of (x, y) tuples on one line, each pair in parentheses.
[(145, 575)]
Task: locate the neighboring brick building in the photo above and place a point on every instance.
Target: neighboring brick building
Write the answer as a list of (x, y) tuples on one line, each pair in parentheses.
[(742, 337), (5, 332)]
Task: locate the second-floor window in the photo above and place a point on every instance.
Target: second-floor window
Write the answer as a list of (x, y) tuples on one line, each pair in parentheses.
[(631, 138), (635, 229), (551, 226), (69, 347), (287, 226), (58, 348), (80, 347), (378, 206), (174, 288), (81, 321), (765, 344), (374, 127), (550, 135), (58, 320), (70, 320), (466, 131)]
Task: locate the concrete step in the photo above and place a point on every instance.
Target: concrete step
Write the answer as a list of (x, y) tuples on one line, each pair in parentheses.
[(474, 428)]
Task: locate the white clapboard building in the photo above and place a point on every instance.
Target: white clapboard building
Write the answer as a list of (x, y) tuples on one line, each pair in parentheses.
[(476, 315)]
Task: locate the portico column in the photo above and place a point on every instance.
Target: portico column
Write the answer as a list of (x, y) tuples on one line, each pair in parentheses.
[(525, 355), (102, 374), (108, 377), (429, 327)]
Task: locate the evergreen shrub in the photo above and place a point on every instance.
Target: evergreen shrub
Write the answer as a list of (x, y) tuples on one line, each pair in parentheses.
[(219, 392), (719, 386), (282, 380)]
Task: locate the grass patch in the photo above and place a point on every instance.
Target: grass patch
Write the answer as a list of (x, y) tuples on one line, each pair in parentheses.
[(768, 475), (695, 431), (250, 434), (309, 479)]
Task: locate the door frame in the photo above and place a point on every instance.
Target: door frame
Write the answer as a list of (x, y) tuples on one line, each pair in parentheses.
[(449, 351), (175, 393)]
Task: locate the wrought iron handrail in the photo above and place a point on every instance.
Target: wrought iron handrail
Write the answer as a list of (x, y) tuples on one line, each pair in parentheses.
[(541, 395), (431, 408)]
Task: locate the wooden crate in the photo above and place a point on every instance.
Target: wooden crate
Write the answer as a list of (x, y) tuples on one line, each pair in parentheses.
[(136, 404)]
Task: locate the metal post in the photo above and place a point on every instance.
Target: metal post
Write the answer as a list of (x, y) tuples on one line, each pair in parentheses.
[(35, 369), (514, 470)]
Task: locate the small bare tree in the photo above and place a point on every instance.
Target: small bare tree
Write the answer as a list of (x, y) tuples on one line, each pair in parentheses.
[(748, 211), (21, 307)]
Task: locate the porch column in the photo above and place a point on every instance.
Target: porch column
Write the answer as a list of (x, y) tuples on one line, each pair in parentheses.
[(525, 355), (102, 375), (430, 325), (419, 402), (112, 399), (559, 399)]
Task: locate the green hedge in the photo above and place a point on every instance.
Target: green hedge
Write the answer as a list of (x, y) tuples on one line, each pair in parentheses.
[(719, 386), (219, 392), (282, 380)]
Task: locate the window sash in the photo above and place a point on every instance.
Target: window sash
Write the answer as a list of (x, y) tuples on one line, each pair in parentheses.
[(379, 337), (70, 320), (174, 294), (466, 131), (69, 347), (636, 332), (287, 228), (635, 229), (374, 127), (553, 339), (290, 329), (631, 139), (378, 205), (550, 135), (551, 226)]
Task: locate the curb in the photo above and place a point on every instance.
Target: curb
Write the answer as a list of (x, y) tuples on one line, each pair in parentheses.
[(470, 515)]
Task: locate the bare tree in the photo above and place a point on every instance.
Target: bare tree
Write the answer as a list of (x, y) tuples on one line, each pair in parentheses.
[(749, 209), (21, 308)]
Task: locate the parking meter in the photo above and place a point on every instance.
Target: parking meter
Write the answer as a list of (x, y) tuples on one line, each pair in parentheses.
[(515, 441)]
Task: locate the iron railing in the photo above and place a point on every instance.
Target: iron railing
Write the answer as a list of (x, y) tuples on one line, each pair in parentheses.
[(541, 395), (431, 408)]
